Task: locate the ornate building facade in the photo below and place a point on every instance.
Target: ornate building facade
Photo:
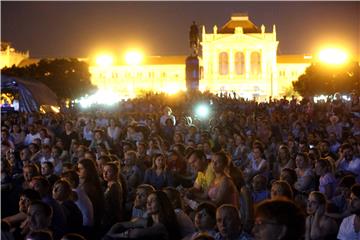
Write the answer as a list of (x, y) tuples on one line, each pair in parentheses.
[(239, 57)]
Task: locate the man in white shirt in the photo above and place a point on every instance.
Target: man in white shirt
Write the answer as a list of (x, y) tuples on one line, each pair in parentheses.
[(350, 226), (33, 134)]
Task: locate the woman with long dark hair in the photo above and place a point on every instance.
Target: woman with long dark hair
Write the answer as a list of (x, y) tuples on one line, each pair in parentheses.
[(161, 223), (90, 182)]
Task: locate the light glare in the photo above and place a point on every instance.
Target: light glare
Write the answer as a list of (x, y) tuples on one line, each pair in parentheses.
[(133, 58), (202, 111), (104, 60), (332, 56)]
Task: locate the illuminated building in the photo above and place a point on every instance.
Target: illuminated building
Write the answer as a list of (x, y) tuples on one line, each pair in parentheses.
[(10, 57), (238, 57)]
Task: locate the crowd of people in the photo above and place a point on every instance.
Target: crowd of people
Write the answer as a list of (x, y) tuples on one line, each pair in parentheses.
[(152, 169)]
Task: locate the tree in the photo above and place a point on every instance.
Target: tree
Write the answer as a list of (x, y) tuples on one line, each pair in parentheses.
[(68, 78), (322, 79)]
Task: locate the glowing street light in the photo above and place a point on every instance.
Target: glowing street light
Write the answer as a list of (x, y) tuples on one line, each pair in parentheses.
[(333, 56), (133, 58), (104, 60)]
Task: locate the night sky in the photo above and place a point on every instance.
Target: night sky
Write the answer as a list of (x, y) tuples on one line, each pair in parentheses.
[(80, 29)]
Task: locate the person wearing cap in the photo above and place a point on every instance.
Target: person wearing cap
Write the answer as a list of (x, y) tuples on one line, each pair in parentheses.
[(350, 226)]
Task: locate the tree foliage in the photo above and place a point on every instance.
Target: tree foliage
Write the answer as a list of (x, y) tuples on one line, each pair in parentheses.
[(324, 79), (68, 78)]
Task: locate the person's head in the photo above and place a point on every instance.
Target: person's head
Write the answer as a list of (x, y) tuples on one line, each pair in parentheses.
[(324, 146), (41, 185), (98, 135), (278, 219), (31, 129), (33, 148), (100, 163), (159, 161), (197, 160), (27, 196), (62, 190), (220, 161), (141, 195), (72, 177), (87, 170), (259, 183), (281, 189), (25, 154), (111, 172), (355, 199), (228, 221), (159, 204), (205, 216), (174, 197), (178, 138), (322, 166), (39, 215), (130, 158), (46, 150), (315, 200), (344, 186), (302, 160), (39, 235), (68, 126), (47, 168), (141, 148), (167, 111), (72, 236), (89, 155), (347, 151), (56, 152), (258, 151), (67, 166), (30, 171), (284, 153), (43, 133), (289, 175)]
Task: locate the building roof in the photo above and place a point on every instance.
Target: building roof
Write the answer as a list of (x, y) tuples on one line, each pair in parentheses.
[(239, 20), (294, 59), (157, 60)]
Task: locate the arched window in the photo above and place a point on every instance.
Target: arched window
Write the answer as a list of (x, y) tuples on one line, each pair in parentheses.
[(239, 63), (255, 63), (223, 63)]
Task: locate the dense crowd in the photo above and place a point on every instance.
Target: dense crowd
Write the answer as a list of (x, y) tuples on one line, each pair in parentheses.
[(151, 168)]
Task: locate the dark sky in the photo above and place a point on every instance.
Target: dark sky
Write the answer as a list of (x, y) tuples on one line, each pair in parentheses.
[(79, 29)]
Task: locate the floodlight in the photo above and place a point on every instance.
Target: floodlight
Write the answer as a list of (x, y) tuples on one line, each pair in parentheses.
[(333, 56), (104, 60), (202, 111), (133, 58)]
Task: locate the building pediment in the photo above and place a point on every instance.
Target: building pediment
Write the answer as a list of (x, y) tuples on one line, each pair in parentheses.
[(236, 39)]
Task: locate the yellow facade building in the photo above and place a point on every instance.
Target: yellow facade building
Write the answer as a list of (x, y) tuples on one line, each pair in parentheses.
[(239, 57)]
